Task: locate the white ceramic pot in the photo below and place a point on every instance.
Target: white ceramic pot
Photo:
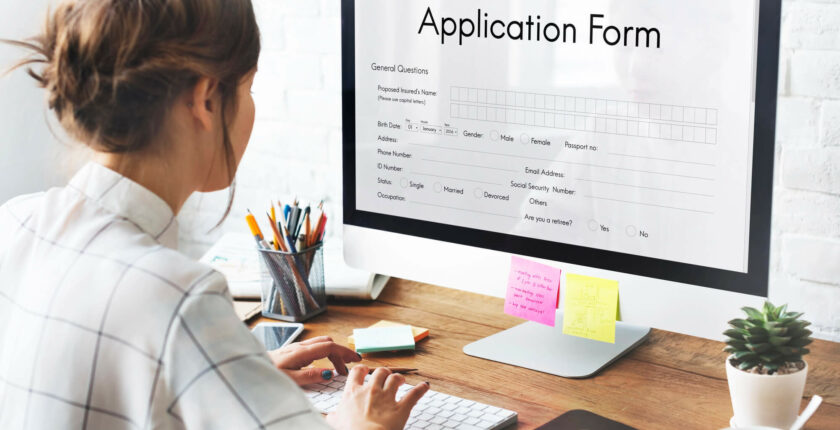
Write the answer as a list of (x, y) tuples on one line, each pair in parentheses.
[(765, 400)]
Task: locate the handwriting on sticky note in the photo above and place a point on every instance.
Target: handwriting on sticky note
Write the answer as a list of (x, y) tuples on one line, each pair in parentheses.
[(591, 308), (532, 291)]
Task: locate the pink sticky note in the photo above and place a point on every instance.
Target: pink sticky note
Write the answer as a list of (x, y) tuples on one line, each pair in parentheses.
[(532, 291)]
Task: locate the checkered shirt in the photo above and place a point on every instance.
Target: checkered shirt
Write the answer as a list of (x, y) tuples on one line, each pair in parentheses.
[(104, 325)]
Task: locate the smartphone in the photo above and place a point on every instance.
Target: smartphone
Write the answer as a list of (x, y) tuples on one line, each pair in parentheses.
[(277, 335)]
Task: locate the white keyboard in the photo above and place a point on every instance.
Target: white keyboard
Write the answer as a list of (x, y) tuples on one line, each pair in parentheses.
[(434, 411)]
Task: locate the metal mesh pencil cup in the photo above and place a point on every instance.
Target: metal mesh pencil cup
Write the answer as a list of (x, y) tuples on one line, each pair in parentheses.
[(292, 284)]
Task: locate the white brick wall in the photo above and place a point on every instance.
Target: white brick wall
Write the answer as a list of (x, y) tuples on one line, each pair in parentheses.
[(805, 268), (296, 146)]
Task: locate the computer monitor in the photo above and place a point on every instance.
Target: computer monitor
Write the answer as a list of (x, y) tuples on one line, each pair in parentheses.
[(631, 140)]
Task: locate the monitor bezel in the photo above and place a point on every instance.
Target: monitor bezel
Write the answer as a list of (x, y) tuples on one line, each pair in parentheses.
[(753, 282)]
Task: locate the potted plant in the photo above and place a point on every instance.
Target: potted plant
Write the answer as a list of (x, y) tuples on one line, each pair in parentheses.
[(765, 368)]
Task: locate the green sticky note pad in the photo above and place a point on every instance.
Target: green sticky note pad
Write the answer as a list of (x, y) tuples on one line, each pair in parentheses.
[(378, 339)]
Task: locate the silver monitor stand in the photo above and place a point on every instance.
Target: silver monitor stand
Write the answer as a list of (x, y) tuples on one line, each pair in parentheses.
[(546, 349)]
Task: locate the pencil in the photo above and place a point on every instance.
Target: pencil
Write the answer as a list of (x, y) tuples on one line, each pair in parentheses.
[(255, 229), (400, 370), (307, 230), (278, 244)]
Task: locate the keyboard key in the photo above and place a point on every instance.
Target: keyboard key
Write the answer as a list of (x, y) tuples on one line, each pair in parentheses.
[(434, 411)]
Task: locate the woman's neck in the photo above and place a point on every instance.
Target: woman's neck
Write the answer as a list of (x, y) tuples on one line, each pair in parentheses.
[(172, 184)]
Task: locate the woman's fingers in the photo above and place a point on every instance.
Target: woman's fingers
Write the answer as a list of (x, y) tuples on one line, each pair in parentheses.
[(393, 383), (339, 365), (321, 350), (357, 376), (413, 396), (377, 380), (318, 339), (310, 375)]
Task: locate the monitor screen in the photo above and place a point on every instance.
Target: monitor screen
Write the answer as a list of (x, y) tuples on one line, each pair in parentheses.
[(621, 135)]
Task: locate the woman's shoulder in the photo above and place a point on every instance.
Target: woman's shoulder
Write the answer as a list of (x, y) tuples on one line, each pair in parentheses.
[(21, 205), (15, 212)]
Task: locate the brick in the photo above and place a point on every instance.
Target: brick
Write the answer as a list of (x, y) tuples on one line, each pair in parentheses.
[(784, 73), (815, 74), (269, 101), (293, 70), (812, 259), (314, 35), (812, 169), (331, 67), (804, 212), (276, 140), (830, 123), (300, 7), (797, 121), (819, 302), (270, 18), (315, 107), (331, 8), (809, 25)]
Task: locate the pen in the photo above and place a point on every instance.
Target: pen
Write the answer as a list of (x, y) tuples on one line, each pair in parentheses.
[(299, 224), (289, 240), (294, 220)]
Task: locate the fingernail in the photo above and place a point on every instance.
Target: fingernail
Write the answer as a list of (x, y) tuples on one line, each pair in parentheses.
[(428, 383), (327, 375)]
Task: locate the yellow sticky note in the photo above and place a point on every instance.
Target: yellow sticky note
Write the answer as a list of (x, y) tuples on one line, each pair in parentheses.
[(591, 308)]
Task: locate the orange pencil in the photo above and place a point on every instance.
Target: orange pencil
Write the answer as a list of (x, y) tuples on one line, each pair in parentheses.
[(272, 219), (321, 229), (278, 244), (254, 227)]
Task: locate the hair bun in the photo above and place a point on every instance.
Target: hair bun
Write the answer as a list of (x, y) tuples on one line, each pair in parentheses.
[(112, 68)]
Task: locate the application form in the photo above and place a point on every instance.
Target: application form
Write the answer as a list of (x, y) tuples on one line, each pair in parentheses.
[(617, 125)]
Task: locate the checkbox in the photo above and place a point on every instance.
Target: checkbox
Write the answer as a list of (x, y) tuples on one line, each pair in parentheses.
[(711, 136), (655, 111), (711, 116)]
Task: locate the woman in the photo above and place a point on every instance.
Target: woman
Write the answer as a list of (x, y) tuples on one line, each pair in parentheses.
[(103, 324)]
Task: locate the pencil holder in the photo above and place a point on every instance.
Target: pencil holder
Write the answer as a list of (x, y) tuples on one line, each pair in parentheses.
[(293, 284)]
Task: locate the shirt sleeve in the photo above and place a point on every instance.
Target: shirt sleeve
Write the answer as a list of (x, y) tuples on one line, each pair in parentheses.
[(220, 376)]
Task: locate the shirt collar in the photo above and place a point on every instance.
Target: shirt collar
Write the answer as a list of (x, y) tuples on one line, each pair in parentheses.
[(128, 199)]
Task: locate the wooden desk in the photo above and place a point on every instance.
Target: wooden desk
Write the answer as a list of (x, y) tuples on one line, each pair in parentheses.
[(672, 381)]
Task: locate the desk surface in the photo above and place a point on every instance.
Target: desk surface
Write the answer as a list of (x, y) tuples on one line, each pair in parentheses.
[(671, 381)]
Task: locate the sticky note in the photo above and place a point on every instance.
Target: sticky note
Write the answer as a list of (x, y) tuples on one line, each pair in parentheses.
[(591, 308), (379, 339), (532, 291), (419, 333)]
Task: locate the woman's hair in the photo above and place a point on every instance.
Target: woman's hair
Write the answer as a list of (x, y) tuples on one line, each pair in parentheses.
[(113, 68)]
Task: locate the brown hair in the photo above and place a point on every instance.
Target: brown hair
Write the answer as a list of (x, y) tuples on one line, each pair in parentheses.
[(113, 68)]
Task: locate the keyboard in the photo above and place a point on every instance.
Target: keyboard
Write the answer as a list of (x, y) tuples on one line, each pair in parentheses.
[(433, 412)]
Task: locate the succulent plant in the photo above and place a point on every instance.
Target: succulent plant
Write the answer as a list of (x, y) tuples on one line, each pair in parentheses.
[(770, 338)]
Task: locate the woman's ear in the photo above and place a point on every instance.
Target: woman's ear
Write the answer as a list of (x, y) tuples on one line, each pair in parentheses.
[(201, 103)]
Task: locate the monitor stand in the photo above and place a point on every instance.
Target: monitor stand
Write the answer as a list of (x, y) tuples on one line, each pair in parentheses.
[(546, 349)]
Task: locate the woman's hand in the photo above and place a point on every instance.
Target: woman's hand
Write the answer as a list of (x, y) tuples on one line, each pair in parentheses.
[(373, 405), (292, 359)]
